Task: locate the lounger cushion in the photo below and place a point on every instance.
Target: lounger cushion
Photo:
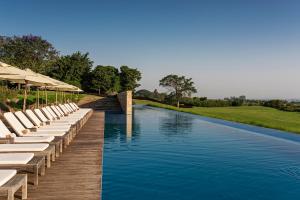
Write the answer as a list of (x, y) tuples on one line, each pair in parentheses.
[(23, 147), (33, 117), (38, 134), (15, 158), (38, 139), (14, 123), (40, 115), (3, 130), (22, 117), (6, 175)]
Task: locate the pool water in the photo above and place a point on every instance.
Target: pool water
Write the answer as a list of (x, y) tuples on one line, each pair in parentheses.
[(168, 155)]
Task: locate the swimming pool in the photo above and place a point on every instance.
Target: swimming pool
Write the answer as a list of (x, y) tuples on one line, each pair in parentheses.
[(161, 154)]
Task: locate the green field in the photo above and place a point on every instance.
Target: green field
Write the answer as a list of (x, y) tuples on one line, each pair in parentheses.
[(255, 115)]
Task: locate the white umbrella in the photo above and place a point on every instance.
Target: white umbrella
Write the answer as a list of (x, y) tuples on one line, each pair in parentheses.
[(14, 74)]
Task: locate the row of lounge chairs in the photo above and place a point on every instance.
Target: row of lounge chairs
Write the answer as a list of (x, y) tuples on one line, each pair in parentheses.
[(39, 136)]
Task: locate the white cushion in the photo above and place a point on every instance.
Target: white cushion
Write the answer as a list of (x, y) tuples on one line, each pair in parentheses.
[(22, 117), (39, 113), (47, 114), (15, 158), (6, 175), (33, 117), (14, 123), (51, 112), (3, 130), (32, 139), (23, 147), (45, 133)]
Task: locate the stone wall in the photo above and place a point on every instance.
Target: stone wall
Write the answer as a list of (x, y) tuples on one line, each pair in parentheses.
[(125, 99)]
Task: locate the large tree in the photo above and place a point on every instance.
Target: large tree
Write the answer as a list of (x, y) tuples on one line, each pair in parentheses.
[(106, 79), (129, 78), (180, 86), (72, 69), (27, 51)]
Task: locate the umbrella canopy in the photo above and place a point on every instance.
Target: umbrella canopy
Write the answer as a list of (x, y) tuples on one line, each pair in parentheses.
[(14, 74), (6, 69), (61, 86)]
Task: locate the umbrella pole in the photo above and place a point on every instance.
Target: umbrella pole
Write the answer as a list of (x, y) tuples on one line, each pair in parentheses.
[(38, 98), (25, 96), (56, 97), (46, 97)]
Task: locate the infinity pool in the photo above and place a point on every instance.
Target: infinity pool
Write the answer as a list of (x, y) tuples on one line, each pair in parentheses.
[(167, 155)]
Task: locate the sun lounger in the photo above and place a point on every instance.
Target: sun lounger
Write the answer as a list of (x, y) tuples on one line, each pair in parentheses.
[(39, 149), (29, 125), (70, 118), (10, 138), (20, 130), (53, 118), (24, 162), (11, 182), (78, 116)]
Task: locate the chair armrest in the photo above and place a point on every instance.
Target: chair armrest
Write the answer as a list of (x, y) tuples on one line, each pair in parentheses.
[(7, 140), (33, 129)]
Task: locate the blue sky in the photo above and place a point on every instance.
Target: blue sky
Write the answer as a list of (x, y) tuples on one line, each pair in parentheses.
[(229, 47)]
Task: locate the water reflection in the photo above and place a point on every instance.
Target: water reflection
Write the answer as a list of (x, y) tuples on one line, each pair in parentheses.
[(175, 124), (121, 127), (129, 126)]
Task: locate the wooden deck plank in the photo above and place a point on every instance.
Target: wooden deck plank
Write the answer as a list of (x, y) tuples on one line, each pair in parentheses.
[(77, 173)]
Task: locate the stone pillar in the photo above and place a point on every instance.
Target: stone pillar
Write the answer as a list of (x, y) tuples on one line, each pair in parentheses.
[(125, 99)]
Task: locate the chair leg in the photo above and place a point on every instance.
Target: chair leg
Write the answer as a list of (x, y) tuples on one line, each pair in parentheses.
[(10, 195), (36, 176), (24, 189), (42, 169), (48, 160)]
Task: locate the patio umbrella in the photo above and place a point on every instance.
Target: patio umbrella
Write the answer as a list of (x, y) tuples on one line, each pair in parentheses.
[(16, 75), (6, 69)]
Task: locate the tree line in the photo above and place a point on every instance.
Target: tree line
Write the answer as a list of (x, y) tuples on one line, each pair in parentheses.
[(181, 88), (40, 55)]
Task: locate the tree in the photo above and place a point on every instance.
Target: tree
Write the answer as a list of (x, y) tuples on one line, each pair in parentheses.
[(27, 51), (106, 79), (179, 85), (72, 69), (129, 78)]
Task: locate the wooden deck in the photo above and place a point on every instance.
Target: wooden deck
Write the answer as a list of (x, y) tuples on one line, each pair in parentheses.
[(77, 173)]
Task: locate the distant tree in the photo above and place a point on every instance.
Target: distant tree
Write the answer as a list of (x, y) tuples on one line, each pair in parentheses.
[(72, 69), (106, 79), (155, 93), (179, 86), (144, 94), (27, 51), (129, 78)]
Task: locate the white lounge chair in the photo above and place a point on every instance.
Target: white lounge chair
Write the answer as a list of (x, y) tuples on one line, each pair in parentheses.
[(39, 149), (25, 162), (11, 182), (6, 134), (20, 130), (8, 137)]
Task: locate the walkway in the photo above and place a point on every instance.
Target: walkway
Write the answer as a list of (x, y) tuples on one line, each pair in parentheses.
[(77, 173)]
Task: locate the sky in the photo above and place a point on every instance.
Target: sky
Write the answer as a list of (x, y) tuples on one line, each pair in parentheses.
[(229, 48)]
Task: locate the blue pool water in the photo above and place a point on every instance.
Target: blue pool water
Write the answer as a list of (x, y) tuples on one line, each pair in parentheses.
[(167, 155)]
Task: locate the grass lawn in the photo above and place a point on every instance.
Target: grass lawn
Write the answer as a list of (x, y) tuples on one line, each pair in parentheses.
[(255, 115)]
